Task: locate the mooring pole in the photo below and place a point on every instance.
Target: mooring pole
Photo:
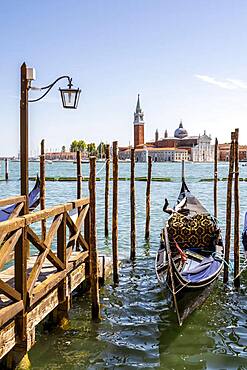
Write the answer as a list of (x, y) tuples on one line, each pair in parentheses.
[(78, 182), (78, 168), (216, 178), (42, 186), (236, 212), (93, 256), (147, 230), (107, 181), (229, 210), (115, 214), (132, 207), (6, 169), (183, 170)]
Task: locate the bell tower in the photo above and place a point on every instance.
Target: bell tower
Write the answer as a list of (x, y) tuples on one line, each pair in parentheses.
[(138, 125)]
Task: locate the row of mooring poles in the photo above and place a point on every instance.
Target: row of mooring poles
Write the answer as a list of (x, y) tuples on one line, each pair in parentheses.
[(233, 170), (132, 205)]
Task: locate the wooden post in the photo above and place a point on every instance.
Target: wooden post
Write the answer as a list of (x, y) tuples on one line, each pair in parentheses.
[(24, 134), (216, 178), (24, 143), (64, 300), (6, 169), (107, 180), (18, 354), (183, 170), (93, 256), (115, 214), (42, 186), (236, 212), (78, 165), (229, 210), (147, 232), (132, 207), (79, 186)]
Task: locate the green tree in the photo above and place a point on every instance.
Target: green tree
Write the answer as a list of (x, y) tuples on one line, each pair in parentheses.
[(74, 146), (82, 145), (63, 149), (91, 149)]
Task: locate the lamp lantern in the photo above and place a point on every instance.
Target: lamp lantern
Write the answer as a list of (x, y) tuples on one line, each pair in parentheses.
[(70, 97)]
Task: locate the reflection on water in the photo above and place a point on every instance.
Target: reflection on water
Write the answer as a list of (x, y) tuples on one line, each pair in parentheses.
[(138, 329)]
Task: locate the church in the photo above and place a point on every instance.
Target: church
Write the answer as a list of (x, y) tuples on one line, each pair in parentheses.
[(167, 148)]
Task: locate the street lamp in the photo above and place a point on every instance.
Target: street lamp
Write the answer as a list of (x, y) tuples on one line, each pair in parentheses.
[(70, 98)]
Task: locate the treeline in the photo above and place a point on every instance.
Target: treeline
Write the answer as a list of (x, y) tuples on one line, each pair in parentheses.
[(88, 149)]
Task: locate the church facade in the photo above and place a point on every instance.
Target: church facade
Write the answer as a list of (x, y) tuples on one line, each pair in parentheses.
[(175, 148)]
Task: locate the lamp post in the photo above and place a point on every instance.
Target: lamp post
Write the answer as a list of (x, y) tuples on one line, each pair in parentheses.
[(70, 98)]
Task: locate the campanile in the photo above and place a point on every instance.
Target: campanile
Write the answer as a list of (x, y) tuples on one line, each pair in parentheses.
[(138, 125)]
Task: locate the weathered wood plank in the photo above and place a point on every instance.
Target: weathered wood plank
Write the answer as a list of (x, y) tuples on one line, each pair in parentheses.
[(77, 276), (78, 224), (8, 246), (9, 312), (36, 270), (80, 202), (7, 339), (53, 230), (76, 204), (40, 311), (79, 258), (73, 229), (12, 200), (17, 210), (42, 289), (39, 244), (10, 292), (10, 225), (44, 214)]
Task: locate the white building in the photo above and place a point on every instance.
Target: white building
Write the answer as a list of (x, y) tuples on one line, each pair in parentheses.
[(203, 151), (157, 154)]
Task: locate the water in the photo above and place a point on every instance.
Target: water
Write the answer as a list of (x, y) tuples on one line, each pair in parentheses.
[(138, 329)]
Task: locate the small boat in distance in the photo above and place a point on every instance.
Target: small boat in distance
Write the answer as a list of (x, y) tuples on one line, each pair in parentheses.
[(191, 253)]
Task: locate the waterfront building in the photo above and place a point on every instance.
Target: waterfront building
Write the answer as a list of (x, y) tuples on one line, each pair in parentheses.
[(224, 152), (180, 146), (203, 151)]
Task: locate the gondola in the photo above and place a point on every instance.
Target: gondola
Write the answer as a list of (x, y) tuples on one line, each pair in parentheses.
[(190, 256), (34, 199)]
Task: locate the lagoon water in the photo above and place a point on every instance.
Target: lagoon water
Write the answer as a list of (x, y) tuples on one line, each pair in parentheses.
[(138, 328)]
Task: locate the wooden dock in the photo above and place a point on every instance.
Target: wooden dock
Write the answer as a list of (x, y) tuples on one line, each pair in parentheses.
[(33, 287)]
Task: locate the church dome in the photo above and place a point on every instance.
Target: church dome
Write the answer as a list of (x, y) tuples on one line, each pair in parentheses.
[(180, 132)]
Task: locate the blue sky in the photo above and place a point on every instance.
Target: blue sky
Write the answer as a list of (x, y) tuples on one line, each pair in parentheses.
[(186, 58)]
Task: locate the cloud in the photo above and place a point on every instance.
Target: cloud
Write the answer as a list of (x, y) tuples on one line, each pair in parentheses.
[(228, 83), (238, 83)]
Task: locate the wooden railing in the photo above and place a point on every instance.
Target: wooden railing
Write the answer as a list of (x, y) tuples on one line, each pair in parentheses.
[(25, 283)]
